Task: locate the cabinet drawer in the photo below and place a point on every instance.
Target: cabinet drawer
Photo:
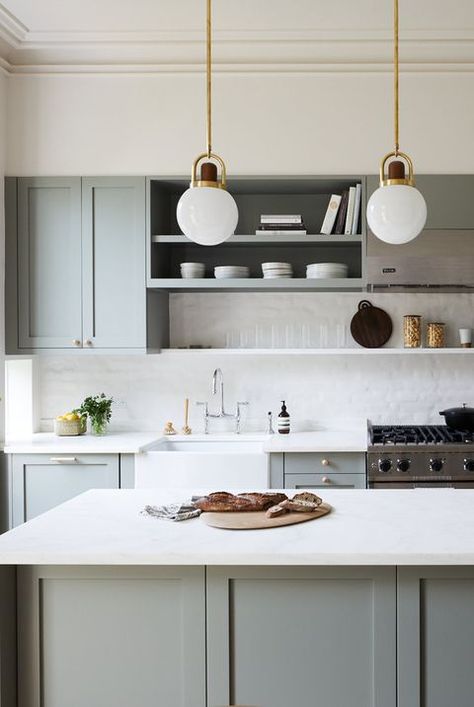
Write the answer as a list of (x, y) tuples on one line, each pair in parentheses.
[(325, 481), (42, 481), (332, 463)]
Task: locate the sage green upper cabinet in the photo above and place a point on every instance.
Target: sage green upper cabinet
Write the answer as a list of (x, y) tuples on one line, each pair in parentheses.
[(76, 266), (113, 262), (49, 254), (448, 199)]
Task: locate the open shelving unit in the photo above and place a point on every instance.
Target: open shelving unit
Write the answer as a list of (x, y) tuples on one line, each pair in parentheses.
[(309, 196), (322, 352)]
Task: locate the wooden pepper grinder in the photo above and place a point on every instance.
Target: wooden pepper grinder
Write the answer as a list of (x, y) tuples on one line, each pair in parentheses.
[(186, 429)]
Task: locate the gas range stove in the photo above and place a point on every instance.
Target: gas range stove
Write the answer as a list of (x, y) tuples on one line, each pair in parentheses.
[(406, 456)]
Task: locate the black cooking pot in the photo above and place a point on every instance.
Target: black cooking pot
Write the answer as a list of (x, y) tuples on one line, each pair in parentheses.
[(460, 418)]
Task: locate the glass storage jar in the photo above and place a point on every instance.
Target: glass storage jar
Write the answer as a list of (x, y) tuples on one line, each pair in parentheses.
[(412, 331)]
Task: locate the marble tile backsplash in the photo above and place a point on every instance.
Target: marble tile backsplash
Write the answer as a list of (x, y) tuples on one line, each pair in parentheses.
[(150, 390)]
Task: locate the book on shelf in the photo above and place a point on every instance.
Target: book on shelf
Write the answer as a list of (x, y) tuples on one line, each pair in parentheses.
[(341, 214), (350, 211), (276, 232), (281, 218), (355, 220), (281, 226), (331, 213)]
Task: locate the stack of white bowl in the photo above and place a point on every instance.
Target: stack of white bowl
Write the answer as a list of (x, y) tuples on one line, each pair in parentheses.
[(229, 272), (274, 270), (192, 270), (325, 271)]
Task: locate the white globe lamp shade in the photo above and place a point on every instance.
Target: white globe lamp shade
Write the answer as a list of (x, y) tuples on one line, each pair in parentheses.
[(396, 213), (207, 215)]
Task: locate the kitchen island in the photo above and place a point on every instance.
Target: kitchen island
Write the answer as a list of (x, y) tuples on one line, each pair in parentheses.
[(370, 606)]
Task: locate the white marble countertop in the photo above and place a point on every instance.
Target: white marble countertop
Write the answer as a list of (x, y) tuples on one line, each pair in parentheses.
[(333, 436), (343, 435), (399, 527), (110, 443)]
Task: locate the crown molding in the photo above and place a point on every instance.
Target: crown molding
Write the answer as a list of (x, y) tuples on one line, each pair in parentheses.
[(235, 51), (11, 29)]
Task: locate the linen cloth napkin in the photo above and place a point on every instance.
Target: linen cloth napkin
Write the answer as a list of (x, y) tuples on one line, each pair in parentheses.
[(173, 511)]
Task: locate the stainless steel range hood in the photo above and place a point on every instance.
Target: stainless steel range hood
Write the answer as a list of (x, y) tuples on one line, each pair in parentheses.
[(437, 258)]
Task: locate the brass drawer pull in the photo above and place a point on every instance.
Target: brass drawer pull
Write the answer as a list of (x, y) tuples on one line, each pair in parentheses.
[(326, 480), (63, 460), (325, 462)]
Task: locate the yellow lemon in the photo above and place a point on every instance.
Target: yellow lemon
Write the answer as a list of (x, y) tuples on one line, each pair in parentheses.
[(60, 417), (70, 416)]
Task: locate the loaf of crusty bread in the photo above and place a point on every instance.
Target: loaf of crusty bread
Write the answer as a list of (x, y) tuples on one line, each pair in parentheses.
[(228, 502), (307, 496)]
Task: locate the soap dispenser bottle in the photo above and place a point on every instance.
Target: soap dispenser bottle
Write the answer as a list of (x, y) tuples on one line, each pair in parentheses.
[(283, 420)]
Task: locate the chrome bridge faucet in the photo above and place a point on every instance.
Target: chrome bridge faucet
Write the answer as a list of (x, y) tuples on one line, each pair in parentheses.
[(218, 388)]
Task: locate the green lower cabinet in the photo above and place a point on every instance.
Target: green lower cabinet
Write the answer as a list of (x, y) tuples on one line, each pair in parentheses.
[(314, 470), (435, 636), (111, 637), (255, 636), (281, 637), (42, 481)]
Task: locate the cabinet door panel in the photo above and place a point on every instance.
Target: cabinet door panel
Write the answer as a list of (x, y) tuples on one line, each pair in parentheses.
[(108, 636), (325, 481), (113, 221), (49, 262), (435, 636), (40, 483), (301, 636)]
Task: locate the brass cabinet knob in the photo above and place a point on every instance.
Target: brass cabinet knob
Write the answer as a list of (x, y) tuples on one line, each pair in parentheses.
[(87, 342), (326, 480), (325, 462), (76, 342)]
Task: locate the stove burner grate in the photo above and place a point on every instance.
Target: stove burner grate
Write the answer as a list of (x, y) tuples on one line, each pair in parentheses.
[(419, 434)]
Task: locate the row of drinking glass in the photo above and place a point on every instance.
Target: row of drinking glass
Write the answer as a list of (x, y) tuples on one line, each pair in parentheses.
[(289, 336)]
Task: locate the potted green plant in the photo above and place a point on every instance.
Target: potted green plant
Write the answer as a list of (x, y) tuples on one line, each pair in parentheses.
[(98, 408)]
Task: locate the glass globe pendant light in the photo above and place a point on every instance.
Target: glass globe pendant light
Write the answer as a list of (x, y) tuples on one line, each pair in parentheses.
[(207, 214), (396, 211)]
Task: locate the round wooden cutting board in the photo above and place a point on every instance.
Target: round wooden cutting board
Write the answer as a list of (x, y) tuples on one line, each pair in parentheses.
[(371, 326), (257, 519)]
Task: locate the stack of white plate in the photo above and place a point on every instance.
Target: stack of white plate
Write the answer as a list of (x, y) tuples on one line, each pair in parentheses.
[(192, 270), (229, 272), (326, 270), (274, 270)]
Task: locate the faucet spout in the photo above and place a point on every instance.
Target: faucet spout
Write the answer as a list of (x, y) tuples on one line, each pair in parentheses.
[(218, 380)]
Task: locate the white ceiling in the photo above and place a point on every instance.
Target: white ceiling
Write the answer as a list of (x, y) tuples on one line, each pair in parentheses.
[(54, 35)]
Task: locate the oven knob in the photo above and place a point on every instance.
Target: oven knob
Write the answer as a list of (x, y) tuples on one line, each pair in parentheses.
[(469, 465), (436, 464), (385, 465), (403, 464)]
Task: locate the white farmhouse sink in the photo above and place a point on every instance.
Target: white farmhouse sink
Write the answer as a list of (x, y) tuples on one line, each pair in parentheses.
[(220, 464)]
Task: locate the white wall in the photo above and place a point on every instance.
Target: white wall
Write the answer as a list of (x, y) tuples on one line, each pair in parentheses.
[(265, 122), (151, 389)]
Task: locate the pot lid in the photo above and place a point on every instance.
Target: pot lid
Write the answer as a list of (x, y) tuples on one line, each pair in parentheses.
[(458, 411)]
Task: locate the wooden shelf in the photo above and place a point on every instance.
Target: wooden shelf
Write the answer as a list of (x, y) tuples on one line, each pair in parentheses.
[(321, 352), (255, 284), (253, 239)]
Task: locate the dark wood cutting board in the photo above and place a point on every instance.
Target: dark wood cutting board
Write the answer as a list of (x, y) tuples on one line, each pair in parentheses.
[(371, 326)]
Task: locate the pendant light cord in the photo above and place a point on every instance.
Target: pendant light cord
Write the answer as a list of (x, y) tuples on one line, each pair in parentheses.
[(395, 75), (208, 78)]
